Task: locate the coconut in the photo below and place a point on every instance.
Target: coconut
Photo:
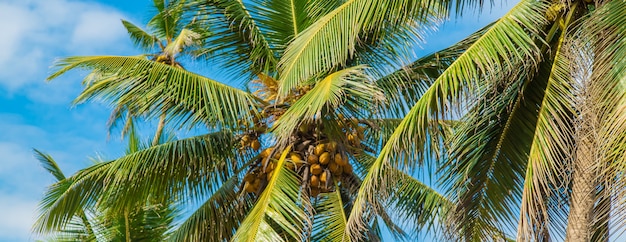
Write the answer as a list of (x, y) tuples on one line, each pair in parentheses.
[(267, 152), (315, 192), (248, 177), (324, 177), (255, 144), (325, 158), (248, 187), (315, 181), (312, 159), (333, 167), (341, 160), (316, 169), (246, 138), (319, 149)]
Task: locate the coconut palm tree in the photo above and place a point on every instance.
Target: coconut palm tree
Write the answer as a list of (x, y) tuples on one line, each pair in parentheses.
[(539, 145), (147, 222), (294, 158), (169, 37)]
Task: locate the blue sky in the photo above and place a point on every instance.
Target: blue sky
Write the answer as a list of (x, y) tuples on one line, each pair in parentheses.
[(36, 114)]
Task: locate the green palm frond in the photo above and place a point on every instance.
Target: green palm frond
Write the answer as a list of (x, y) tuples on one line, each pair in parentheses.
[(49, 164), (335, 91), (194, 167), (489, 152), (333, 39), (510, 40), (550, 150), (277, 215), (330, 218), (282, 20), (236, 39), (49, 220), (150, 88), (140, 37), (218, 218), (165, 24), (415, 205), (79, 228), (405, 86)]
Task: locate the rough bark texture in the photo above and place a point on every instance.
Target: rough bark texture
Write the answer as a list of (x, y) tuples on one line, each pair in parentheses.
[(580, 220)]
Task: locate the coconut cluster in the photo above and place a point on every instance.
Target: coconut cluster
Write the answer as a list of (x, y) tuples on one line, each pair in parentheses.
[(318, 160)]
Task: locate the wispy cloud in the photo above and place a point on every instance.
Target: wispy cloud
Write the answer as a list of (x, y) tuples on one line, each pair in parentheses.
[(35, 32), (37, 115)]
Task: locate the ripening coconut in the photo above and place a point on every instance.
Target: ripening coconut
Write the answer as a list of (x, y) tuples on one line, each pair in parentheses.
[(325, 158), (316, 169)]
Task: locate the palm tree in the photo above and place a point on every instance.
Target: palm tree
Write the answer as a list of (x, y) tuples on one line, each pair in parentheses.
[(169, 37), (294, 158), (539, 145), (149, 221)]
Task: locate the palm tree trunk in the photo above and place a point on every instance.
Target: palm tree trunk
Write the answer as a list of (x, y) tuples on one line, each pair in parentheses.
[(127, 225), (580, 220), (159, 130)]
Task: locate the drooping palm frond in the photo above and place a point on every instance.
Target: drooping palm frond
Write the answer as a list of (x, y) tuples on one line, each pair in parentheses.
[(236, 39), (404, 87), (277, 215), (418, 207), (489, 152), (150, 88), (335, 91), (193, 167), (282, 20), (510, 40), (140, 37), (330, 218), (49, 164), (79, 228), (208, 222), (331, 40), (550, 150)]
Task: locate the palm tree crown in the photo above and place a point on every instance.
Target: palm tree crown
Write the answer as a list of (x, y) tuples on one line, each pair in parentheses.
[(292, 159)]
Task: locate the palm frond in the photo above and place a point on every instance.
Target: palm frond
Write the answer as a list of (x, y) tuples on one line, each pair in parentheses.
[(277, 209), (510, 40), (604, 76), (218, 218), (49, 164), (333, 39), (165, 24), (282, 20), (330, 218), (405, 86), (550, 151), (150, 88), (140, 37), (331, 93), (416, 206), (188, 167), (237, 40)]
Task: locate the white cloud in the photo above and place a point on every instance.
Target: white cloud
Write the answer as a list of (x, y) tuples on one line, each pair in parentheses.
[(36, 32), (98, 28), (17, 218)]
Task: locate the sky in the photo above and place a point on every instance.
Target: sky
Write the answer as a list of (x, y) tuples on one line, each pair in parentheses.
[(35, 114)]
